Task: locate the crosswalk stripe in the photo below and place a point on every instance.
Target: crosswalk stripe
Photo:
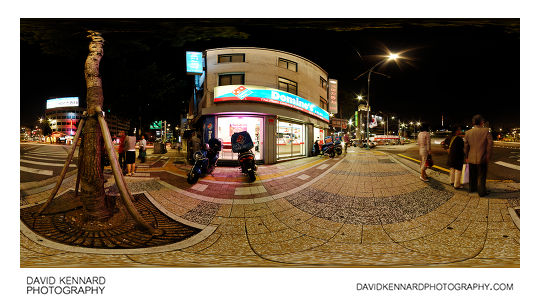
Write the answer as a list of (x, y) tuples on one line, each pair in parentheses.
[(45, 163), (43, 158), (45, 154), (509, 165), (37, 171)]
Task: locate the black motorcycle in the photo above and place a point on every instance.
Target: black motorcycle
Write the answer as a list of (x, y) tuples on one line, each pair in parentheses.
[(205, 160), (338, 148), (328, 149), (242, 144)]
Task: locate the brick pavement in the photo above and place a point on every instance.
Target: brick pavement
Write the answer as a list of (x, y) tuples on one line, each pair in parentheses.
[(364, 209)]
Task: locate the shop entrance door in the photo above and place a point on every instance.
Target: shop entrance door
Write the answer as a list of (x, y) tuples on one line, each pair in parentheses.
[(290, 140)]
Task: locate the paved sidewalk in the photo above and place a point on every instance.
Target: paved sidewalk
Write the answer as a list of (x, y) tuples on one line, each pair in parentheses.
[(365, 209)]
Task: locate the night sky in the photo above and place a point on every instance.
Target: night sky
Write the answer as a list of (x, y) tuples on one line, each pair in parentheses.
[(453, 67)]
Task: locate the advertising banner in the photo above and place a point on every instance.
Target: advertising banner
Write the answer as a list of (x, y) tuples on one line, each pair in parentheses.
[(209, 129), (62, 102), (194, 63), (332, 96), (268, 95)]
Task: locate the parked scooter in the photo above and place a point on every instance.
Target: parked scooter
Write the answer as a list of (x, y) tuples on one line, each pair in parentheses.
[(338, 149), (205, 160), (328, 148), (242, 144)]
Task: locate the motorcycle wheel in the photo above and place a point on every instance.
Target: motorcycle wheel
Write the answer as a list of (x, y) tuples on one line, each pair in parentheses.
[(338, 152), (251, 175), (192, 177), (331, 154)]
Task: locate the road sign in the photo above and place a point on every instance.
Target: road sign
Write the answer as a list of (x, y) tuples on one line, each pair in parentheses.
[(156, 125)]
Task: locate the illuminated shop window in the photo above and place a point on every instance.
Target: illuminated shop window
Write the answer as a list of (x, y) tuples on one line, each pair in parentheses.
[(231, 79), (283, 63), (287, 85), (232, 58)]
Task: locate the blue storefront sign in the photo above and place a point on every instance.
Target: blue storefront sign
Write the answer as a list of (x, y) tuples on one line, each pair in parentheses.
[(263, 94), (194, 63)]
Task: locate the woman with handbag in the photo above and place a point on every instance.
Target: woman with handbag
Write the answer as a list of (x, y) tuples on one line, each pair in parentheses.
[(424, 148), (456, 158)]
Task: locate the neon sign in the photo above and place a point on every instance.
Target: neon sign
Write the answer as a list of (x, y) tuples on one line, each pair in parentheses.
[(263, 94), (62, 102)]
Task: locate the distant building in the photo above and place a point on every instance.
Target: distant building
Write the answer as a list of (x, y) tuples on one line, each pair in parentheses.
[(117, 124), (65, 113)]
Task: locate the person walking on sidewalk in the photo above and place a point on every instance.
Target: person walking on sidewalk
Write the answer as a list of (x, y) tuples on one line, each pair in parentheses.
[(122, 151), (129, 146), (456, 157), (424, 148), (142, 149), (477, 147)]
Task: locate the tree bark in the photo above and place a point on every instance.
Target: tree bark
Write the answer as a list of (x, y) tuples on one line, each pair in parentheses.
[(92, 179)]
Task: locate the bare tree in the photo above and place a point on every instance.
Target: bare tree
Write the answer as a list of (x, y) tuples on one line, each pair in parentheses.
[(92, 179)]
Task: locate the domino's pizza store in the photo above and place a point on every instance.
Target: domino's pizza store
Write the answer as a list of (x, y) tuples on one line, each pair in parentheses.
[(282, 125)]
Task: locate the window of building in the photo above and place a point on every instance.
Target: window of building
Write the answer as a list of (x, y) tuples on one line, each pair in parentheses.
[(287, 85), (232, 58), (283, 63), (324, 83), (231, 79), (324, 103)]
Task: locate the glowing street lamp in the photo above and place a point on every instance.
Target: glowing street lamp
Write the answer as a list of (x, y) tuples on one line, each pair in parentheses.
[(390, 56)]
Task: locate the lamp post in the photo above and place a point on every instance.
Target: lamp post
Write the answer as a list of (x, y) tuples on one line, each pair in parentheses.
[(390, 56)]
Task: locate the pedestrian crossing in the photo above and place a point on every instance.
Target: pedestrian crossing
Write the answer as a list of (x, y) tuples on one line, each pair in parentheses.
[(43, 161)]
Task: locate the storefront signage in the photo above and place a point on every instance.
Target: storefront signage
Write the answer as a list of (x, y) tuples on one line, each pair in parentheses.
[(194, 62), (263, 94), (62, 102), (339, 123), (332, 96)]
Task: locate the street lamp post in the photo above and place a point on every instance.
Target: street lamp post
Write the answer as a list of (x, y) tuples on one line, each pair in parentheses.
[(391, 56)]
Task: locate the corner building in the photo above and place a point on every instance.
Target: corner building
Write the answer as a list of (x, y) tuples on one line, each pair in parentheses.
[(278, 97)]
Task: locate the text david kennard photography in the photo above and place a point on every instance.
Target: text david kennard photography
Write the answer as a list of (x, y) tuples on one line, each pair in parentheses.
[(65, 285)]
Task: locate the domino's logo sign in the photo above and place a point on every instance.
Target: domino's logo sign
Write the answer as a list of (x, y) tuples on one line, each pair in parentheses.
[(240, 139), (242, 92)]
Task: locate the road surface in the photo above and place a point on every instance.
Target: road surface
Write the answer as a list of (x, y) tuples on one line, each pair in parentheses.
[(504, 165)]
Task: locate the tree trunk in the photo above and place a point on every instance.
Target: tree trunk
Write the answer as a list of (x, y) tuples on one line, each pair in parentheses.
[(92, 179)]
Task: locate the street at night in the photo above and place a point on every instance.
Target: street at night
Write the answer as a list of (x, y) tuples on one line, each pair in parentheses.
[(280, 144)]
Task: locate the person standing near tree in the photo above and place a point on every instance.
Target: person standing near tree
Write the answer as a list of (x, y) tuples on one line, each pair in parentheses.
[(129, 146), (478, 144), (121, 151), (142, 149)]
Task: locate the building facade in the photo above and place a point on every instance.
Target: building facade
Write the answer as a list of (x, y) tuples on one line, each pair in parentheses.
[(64, 115), (278, 97)]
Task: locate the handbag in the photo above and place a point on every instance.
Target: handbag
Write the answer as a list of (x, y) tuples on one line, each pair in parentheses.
[(429, 161), (465, 174)]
